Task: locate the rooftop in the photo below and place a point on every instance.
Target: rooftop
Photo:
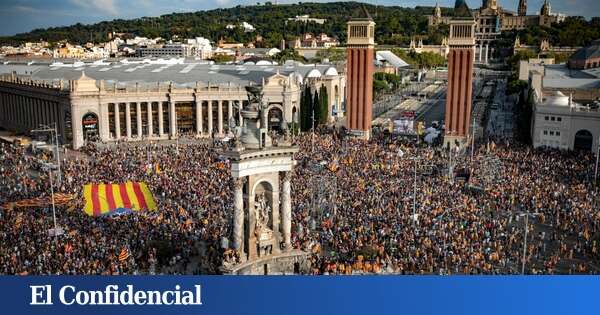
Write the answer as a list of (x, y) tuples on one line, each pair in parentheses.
[(182, 73), (560, 76), (588, 52)]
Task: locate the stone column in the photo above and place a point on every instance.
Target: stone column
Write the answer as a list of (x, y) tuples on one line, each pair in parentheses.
[(117, 122), (238, 216), (198, 117), (229, 110), (240, 119), (286, 210), (480, 52), (104, 124), (172, 119), (220, 117), (161, 129), (210, 118), (149, 112), (138, 113), (128, 120), (487, 47)]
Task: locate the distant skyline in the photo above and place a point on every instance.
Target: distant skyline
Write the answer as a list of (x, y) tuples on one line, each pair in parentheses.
[(19, 16)]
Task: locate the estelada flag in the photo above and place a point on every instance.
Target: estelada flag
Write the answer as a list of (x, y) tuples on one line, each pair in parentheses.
[(101, 199), (124, 254)]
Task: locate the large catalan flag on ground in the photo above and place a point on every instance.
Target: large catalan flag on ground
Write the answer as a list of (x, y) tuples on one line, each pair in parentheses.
[(102, 199)]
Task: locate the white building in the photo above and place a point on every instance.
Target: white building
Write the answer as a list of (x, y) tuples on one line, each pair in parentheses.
[(306, 19), (247, 27), (559, 122), (171, 50), (200, 47), (135, 101)]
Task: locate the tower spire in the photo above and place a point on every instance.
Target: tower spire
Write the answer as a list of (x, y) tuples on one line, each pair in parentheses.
[(522, 10)]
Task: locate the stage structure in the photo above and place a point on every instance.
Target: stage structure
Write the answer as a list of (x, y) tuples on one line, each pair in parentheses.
[(262, 220)]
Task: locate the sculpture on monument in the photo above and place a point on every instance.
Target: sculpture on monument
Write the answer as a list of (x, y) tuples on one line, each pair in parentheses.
[(261, 219)]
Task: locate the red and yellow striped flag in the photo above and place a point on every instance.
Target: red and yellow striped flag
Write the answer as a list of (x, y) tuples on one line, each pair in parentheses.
[(105, 198), (124, 254)]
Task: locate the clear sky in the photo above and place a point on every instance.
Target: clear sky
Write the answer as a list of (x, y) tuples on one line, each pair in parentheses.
[(18, 16)]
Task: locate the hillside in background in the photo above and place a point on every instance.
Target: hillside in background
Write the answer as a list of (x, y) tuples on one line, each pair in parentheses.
[(395, 25)]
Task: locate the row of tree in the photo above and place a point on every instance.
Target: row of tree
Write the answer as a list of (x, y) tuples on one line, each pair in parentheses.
[(314, 108)]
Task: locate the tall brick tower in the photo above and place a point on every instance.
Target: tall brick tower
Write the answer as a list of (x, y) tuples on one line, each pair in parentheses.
[(359, 93), (460, 77)]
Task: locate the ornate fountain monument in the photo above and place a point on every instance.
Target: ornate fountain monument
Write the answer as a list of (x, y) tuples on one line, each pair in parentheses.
[(262, 219)]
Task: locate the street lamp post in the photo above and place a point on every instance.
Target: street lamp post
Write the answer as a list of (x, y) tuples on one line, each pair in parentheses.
[(54, 134), (473, 140), (415, 194), (525, 243), (312, 137), (524, 257), (52, 199), (597, 159)]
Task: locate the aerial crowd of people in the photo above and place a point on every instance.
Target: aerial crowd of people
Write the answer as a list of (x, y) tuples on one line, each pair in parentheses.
[(386, 206)]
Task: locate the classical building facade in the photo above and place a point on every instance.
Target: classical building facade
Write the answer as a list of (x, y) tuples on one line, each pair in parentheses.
[(544, 48), (360, 69), (491, 20), (133, 102), (559, 122), (566, 109), (418, 47), (460, 80)]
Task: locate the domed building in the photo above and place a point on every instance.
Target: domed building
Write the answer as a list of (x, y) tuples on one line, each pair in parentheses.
[(140, 100), (561, 123), (491, 19)]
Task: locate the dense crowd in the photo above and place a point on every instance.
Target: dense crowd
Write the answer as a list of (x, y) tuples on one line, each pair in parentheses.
[(189, 184), (355, 208)]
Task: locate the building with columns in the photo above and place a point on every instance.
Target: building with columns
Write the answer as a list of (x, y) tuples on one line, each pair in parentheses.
[(139, 101), (460, 78), (360, 68), (491, 19)]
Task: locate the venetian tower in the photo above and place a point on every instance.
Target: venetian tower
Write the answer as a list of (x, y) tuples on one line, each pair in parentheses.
[(262, 220), (460, 76), (359, 93)]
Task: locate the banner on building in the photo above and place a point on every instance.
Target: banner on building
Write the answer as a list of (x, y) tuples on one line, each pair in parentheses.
[(103, 199)]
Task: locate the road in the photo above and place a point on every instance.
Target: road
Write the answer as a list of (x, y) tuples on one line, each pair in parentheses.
[(433, 109)]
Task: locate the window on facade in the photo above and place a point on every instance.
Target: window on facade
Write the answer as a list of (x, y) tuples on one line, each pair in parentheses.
[(545, 132), (558, 133), (552, 118), (546, 118), (558, 118), (552, 133)]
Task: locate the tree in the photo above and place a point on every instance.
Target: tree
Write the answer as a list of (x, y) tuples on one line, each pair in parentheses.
[(315, 110), (288, 54), (379, 86), (323, 105), (306, 109), (222, 58)]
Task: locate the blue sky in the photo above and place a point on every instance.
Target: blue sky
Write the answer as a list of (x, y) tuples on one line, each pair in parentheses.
[(24, 15)]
